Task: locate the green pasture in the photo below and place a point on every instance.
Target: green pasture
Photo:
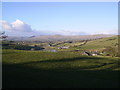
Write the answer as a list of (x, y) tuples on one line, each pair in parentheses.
[(101, 43), (42, 69)]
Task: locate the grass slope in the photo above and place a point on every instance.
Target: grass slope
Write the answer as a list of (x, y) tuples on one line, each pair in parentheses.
[(101, 43), (37, 69)]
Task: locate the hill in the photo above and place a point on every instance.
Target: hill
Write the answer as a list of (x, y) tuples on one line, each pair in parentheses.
[(101, 43), (70, 43), (63, 38), (58, 37)]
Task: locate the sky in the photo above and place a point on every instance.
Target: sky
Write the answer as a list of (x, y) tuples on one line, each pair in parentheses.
[(63, 18), (60, 0)]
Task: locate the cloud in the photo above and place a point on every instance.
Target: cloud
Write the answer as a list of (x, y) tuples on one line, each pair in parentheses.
[(20, 28), (71, 32), (106, 32), (5, 25), (18, 25)]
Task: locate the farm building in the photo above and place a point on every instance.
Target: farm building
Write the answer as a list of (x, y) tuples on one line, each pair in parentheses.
[(90, 53)]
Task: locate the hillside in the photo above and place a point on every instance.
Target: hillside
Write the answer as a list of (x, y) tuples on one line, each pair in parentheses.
[(61, 37), (58, 37), (101, 43), (90, 44)]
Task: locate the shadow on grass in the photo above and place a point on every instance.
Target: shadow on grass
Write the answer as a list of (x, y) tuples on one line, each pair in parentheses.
[(21, 76), (75, 59), (64, 60)]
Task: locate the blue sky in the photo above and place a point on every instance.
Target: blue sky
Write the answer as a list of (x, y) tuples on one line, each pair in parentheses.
[(65, 18)]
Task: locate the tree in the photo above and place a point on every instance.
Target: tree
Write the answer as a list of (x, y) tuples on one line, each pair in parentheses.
[(2, 35)]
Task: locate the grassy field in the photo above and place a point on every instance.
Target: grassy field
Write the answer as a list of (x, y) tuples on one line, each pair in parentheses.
[(42, 69), (101, 43)]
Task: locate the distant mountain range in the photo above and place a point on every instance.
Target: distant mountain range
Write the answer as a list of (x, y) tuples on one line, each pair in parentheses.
[(58, 37)]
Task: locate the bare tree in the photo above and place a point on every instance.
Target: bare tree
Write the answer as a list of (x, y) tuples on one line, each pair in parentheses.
[(2, 35)]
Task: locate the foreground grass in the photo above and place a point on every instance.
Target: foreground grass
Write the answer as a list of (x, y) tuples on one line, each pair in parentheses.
[(38, 69)]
